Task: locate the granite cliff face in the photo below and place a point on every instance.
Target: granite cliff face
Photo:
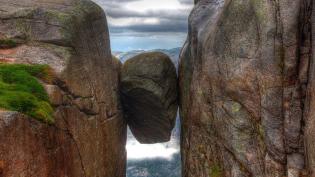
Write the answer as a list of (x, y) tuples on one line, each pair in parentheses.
[(246, 83), (89, 134), (310, 97)]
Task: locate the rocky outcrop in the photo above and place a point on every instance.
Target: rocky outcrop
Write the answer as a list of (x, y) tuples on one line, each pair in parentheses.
[(89, 134), (246, 86), (30, 148), (149, 95), (309, 114)]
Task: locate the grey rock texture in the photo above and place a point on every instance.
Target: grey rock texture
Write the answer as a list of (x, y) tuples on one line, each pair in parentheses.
[(89, 135), (30, 148), (246, 90), (149, 95), (309, 111)]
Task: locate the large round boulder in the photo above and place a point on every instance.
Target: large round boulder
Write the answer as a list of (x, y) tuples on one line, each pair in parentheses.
[(149, 95)]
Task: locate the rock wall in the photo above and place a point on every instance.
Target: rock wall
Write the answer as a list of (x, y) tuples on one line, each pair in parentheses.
[(309, 105), (89, 134), (246, 83)]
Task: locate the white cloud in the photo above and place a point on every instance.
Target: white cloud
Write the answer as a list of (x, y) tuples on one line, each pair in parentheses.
[(147, 15), (137, 151), (118, 22), (146, 24), (147, 5)]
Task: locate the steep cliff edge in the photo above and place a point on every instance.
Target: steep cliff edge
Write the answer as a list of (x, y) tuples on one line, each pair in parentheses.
[(310, 104), (246, 86), (88, 136)]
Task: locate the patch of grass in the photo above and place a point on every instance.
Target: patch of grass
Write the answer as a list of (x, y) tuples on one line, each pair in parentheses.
[(21, 91), (7, 43), (216, 171)]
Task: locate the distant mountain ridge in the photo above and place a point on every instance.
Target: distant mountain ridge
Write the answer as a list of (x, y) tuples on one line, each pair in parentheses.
[(172, 53)]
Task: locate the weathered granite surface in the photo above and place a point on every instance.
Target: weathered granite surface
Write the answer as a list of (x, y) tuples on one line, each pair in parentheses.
[(246, 86), (89, 134), (309, 112)]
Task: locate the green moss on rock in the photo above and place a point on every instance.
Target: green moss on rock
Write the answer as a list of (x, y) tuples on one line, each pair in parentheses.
[(7, 43), (216, 171), (21, 91)]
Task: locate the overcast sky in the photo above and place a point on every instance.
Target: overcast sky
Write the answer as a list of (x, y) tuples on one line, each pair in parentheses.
[(146, 24)]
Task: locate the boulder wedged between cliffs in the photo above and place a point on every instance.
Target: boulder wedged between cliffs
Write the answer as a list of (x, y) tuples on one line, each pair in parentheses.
[(149, 96)]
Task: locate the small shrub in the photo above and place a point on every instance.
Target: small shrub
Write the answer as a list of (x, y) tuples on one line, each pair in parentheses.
[(21, 91), (7, 43), (216, 171)]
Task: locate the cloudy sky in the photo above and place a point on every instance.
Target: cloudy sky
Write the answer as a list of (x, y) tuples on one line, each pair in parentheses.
[(146, 24), (137, 151)]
